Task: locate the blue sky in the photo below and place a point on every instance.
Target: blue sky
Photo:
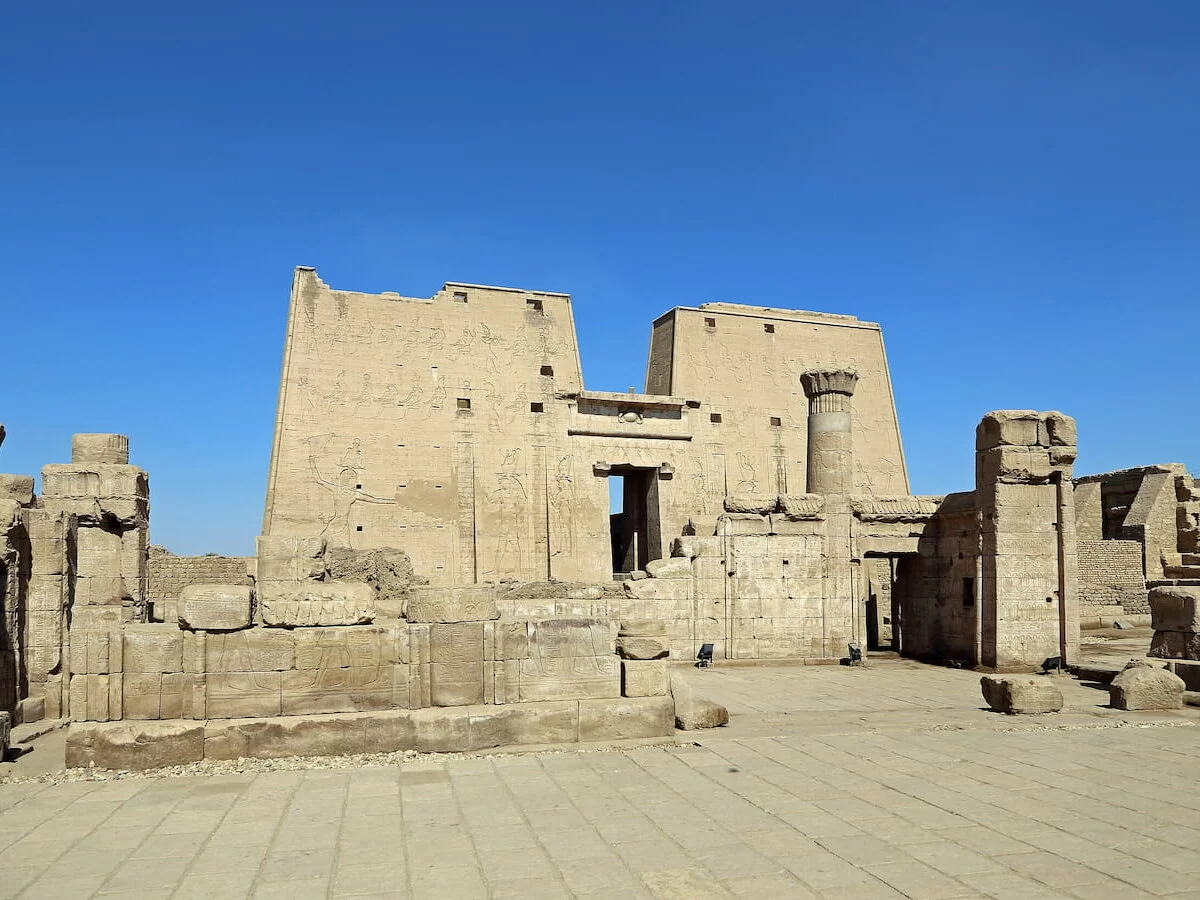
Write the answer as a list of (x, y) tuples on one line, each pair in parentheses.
[(1012, 190)]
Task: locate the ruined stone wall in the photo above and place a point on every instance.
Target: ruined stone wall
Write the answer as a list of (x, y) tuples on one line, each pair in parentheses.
[(168, 574), (1110, 576), (938, 588)]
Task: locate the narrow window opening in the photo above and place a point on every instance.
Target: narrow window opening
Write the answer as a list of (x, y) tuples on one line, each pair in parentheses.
[(715, 418), (537, 407), (692, 404), (768, 328), (533, 303), (548, 370), (968, 598)]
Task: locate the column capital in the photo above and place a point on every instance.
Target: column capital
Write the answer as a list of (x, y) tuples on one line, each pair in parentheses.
[(829, 381)]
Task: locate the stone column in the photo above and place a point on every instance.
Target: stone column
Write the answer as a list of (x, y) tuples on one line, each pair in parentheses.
[(830, 443)]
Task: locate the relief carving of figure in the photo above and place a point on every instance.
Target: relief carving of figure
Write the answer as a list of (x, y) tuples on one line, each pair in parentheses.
[(748, 478), (562, 504), (342, 486)]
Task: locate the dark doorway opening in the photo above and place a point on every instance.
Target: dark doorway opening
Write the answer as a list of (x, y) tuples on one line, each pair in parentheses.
[(882, 607), (635, 529)]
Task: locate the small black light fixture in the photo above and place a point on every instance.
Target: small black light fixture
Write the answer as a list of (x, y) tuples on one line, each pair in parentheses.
[(705, 657)]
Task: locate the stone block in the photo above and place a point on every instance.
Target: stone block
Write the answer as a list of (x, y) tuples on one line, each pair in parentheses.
[(176, 696), (465, 603), (523, 723), (643, 639), (751, 505), (690, 712), (1016, 427), (644, 678), (1021, 696), (142, 696), (92, 652), (351, 646), (17, 488), (112, 449), (134, 746), (316, 603), (674, 567), (1144, 685), (252, 650), (456, 664), (626, 718), (1061, 429), (1175, 608), (152, 648), (290, 559), (5, 733), (214, 607), (333, 690), (237, 695), (281, 737)]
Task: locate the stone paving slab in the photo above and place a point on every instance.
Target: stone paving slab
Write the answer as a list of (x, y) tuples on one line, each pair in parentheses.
[(847, 784)]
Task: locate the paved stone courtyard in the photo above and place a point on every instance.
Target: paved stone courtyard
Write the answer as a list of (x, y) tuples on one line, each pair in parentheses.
[(884, 782)]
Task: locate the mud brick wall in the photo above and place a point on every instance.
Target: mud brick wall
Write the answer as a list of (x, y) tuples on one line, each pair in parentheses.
[(168, 574), (1110, 574)]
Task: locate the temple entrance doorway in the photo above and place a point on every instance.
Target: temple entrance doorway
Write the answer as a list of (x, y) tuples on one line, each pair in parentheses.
[(635, 529)]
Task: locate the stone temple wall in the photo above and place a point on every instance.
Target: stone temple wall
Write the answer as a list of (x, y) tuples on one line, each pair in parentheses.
[(457, 427)]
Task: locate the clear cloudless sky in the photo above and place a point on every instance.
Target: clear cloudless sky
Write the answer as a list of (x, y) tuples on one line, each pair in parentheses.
[(1011, 189)]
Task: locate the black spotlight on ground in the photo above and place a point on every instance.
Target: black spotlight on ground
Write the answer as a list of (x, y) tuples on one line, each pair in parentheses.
[(704, 657)]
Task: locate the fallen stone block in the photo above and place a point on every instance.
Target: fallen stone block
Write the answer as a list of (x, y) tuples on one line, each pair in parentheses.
[(134, 745), (1144, 685), (1021, 696), (693, 713), (466, 603), (672, 567), (214, 607)]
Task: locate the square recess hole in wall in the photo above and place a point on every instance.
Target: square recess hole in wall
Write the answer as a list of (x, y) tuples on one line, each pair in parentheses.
[(533, 303), (768, 328), (537, 407), (710, 323), (715, 418), (547, 370), (464, 402), (460, 296), (776, 422), (358, 528)]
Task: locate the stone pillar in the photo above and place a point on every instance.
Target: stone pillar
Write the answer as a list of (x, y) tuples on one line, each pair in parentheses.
[(830, 442), (1029, 591)]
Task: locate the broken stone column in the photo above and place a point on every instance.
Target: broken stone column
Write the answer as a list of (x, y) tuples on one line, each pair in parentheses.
[(830, 442), (1029, 592), (1175, 615)]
